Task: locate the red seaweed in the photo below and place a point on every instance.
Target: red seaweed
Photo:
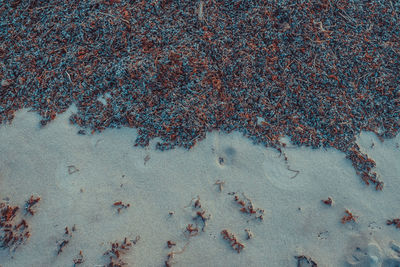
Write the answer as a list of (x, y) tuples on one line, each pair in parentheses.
[(319, 72)]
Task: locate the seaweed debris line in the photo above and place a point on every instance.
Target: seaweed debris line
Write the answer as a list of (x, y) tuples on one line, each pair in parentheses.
[(319, 72)]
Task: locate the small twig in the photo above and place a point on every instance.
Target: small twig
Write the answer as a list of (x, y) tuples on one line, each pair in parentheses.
[(61, 246), (296, 171), (69, 77), (220, 184), (110, 15), (201, 4), (170, 244), (168, 262), (72, 169)]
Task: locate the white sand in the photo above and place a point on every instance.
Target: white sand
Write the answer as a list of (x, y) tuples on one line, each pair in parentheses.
[(34, 161)]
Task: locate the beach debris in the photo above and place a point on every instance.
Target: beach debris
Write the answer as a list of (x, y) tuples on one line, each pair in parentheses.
[(120, 205), (72, 169), (7, 213), (171, 213), (302, 260), (30, 203), (235, 244), (201, 214), (248, 207), (193, 231), (304, 85), (286, 162), (170, 244), (220, 184), (249, 233), (67, 238), (204, 218), (61, 246), (68, 232), (170, 256), (395, 222), (116, 251), (12, 234), (79, 259), (82, 132), (328, 201), (364, 166), (349, 217), (197, 203)]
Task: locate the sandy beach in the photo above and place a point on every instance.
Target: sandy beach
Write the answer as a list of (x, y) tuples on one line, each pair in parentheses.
[(162, 188), (199, 133)]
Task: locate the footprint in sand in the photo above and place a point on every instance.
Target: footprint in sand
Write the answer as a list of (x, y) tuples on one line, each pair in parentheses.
[(224, 154), (366, 252)]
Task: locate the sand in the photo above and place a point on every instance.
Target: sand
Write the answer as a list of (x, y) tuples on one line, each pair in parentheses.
[(34, 161)]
